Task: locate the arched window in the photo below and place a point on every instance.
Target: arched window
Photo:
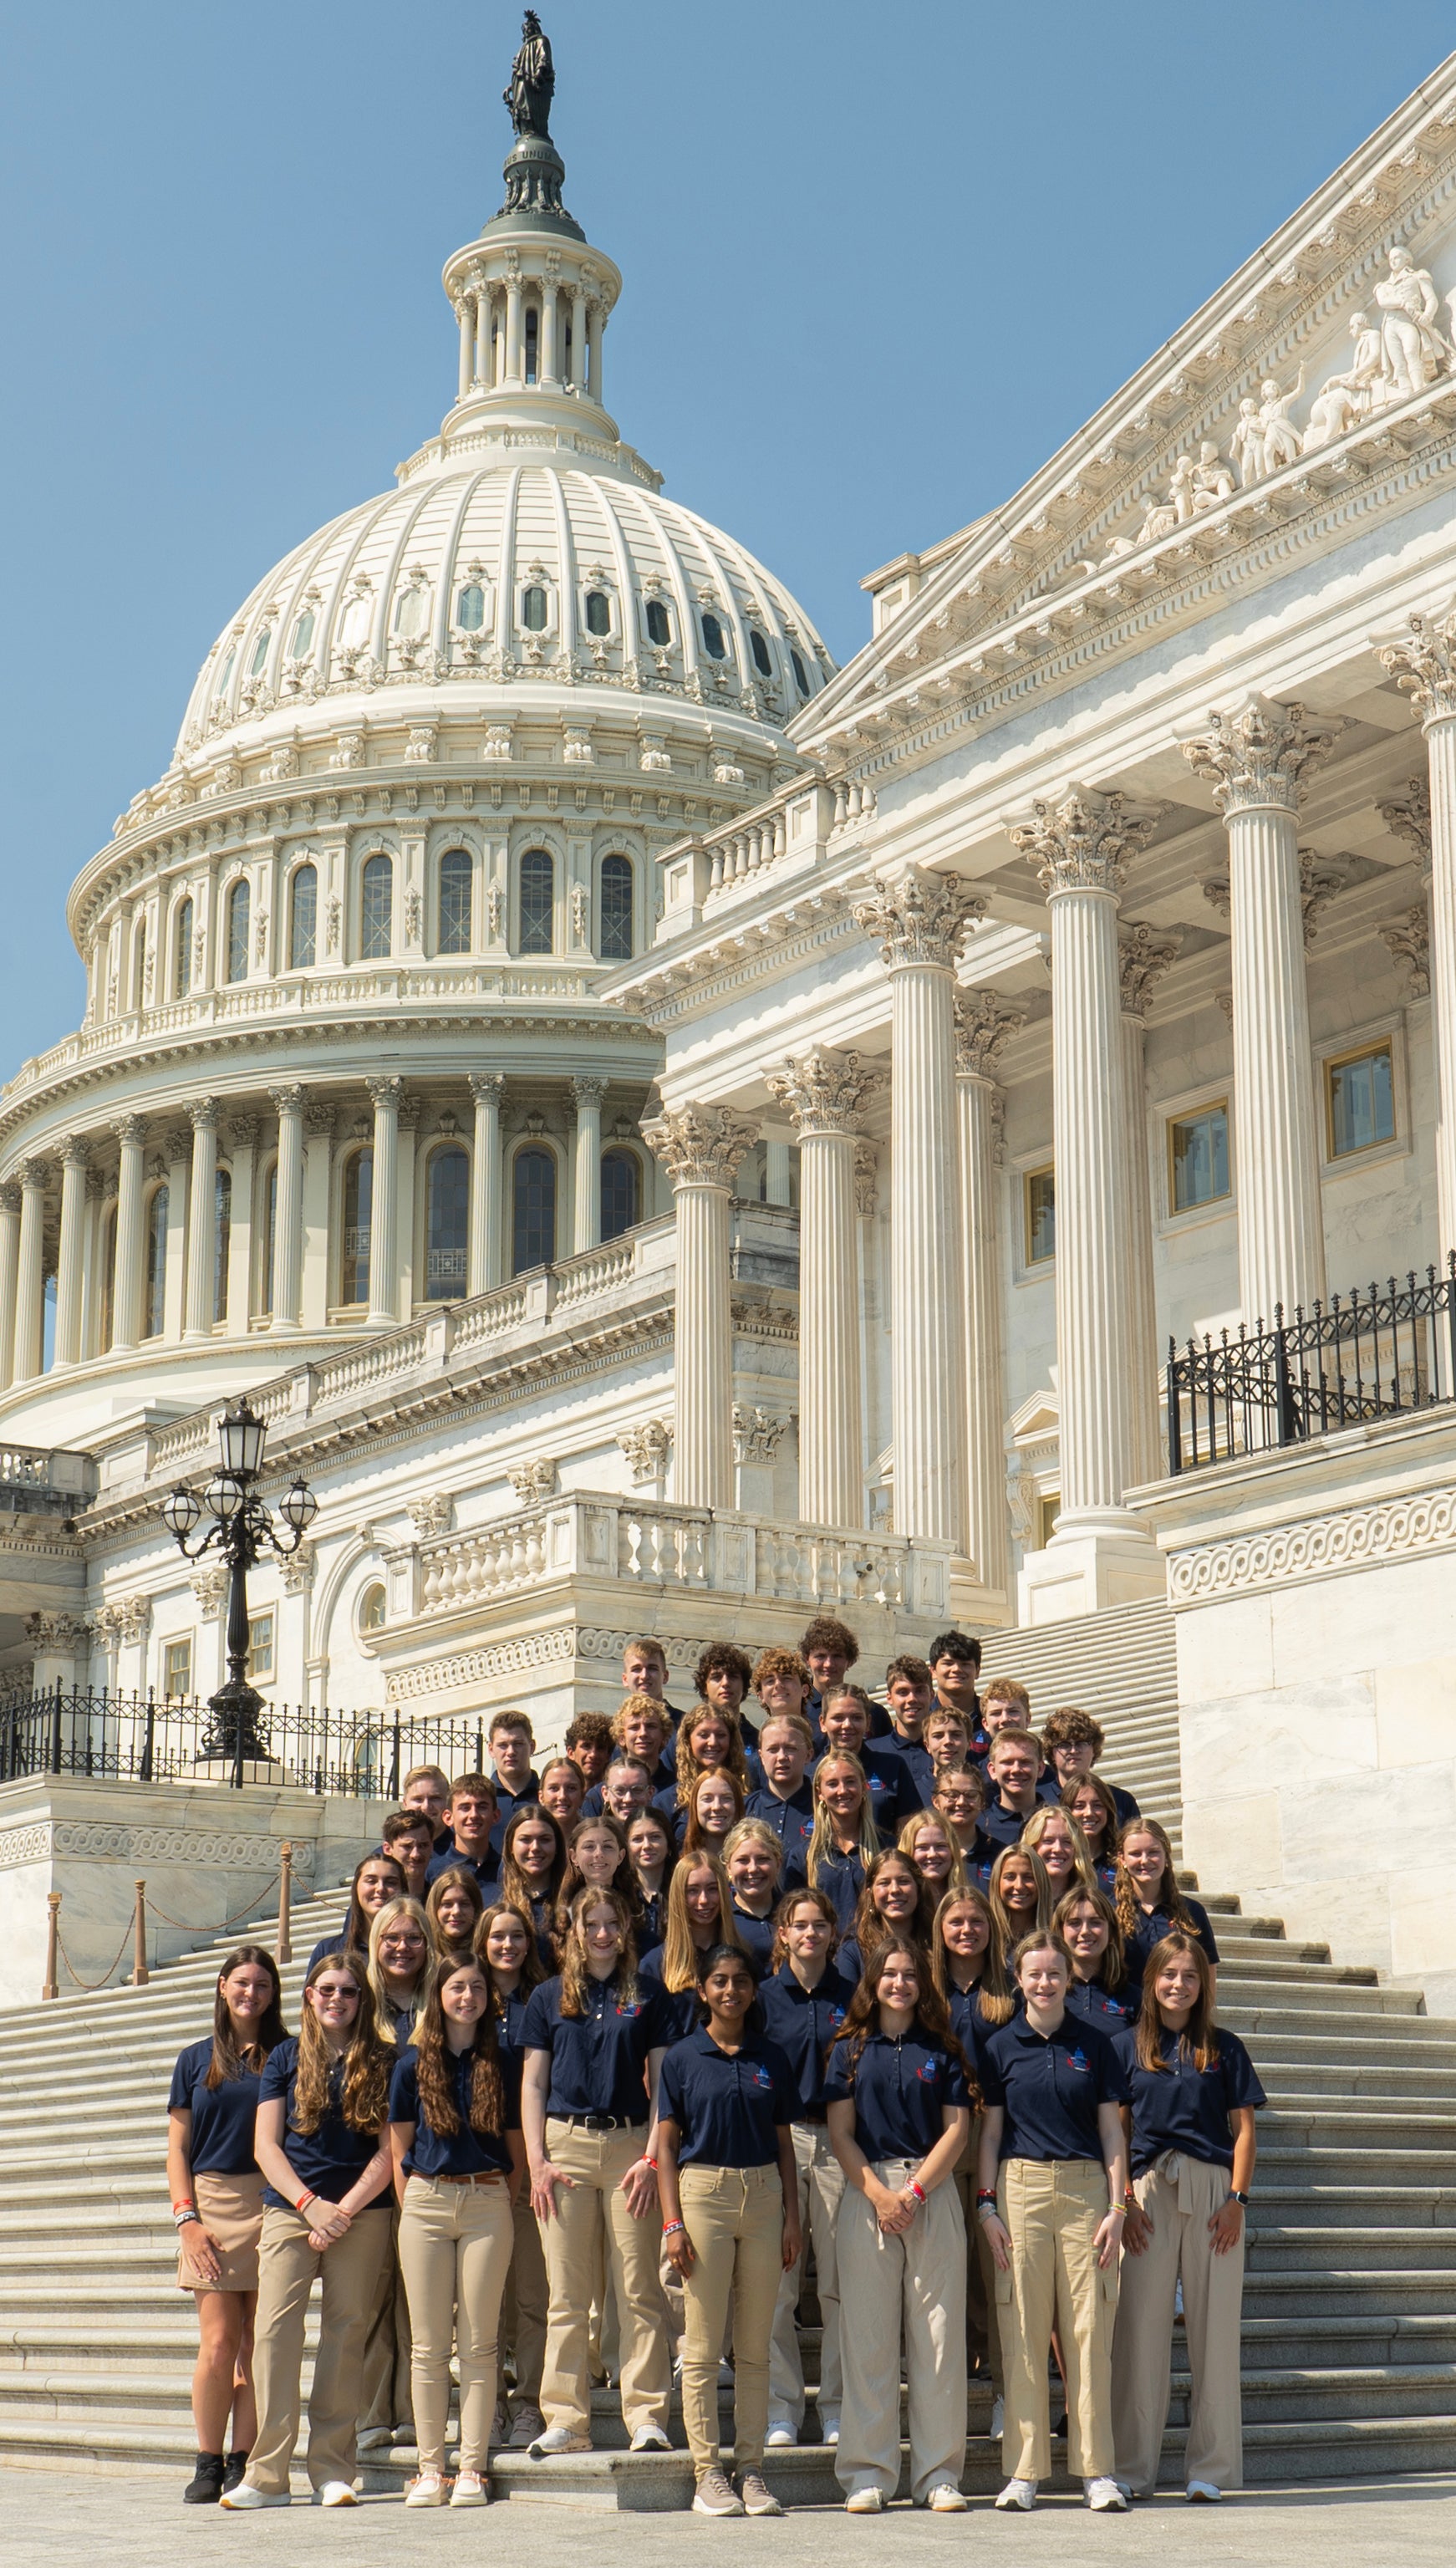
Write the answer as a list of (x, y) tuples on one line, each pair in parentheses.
[(471, 607), (619, 1193), (616, 909), (538, 902), (108, 1279), (221, 1241), (138, 965), (303, 918), (358, 1211), (411, 611), (762, 662), (182, 970), (271, 1233), (454, 902), (800, 673), (597, 612), (376, 910), (240, 911), (534, 1227), (712, 638), (303, 634), (533, 341), (260, 652), (157, 1213), (227, 671), (448, 1211), (533, 609), (659, 630), (371, 1609)]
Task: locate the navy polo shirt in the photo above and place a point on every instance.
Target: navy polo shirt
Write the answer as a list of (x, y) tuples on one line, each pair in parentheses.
[(728, 2106), (792, 1820), (486, 1868), (1002, 1827), (900, 2092), (324, 1944), (651, 1918), (598, 2059), (510, 2041), (1111, 2011), (757, 1937), (449, 2153), (223, 2117), (1150, 1930), (968, 2024), (329, 2160), (1184, 2107), (804, 2022), (1050, 2086), (507, 1805), (679, 2007), (918, 1763), (842, 1876)]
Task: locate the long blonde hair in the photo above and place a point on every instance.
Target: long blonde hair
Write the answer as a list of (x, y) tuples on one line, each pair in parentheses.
[(1009, 1932), (680, 1953), (1036, 1829), (822, 1842), (384, 2005), (365, 2085), (576, 1975), (993, 1991), (689, 1771), (956, 1878)]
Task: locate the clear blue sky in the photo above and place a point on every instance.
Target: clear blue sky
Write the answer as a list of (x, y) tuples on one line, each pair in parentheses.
[(879, 261)]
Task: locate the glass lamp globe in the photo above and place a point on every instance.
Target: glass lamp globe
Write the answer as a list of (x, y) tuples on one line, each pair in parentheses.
[(300, 1507), (180, 1513), (242, 1437)]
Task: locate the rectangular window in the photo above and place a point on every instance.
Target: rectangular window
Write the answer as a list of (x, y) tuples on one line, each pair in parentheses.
[(1198, 1151), (176, 1668), (261, 1649), (1360, 1093), (1041, 1190)]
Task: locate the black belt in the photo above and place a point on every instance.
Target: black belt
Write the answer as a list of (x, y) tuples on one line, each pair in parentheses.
[(600, 2122)]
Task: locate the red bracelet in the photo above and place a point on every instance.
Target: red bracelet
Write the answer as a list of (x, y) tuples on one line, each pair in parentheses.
[(916, 2189), (184, 2202), (303, 2198), (647, 2161)]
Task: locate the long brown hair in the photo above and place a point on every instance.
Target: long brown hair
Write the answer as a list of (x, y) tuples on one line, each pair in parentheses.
[(356, 1919), (1113, 1817), (533, 1969), (695, 1835), (1199, 2037), (688, 1768), (364, 2092), (459, 1877), (1170, 1898), (227, 2061), (575, 1969), (932, 2015), (436, 2061), (1112, 1970), (995, 1996), (680, 1953), (793, 1899), (871, 1927), (515, 1890)]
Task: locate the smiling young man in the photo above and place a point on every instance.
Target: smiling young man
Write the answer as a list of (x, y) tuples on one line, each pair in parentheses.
[(473, 1818), (783, 1798), (513, 1741), (1013, 1770), (954, 1666), (909, 1695)]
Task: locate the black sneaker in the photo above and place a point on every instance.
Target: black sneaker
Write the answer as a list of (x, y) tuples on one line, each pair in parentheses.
[(205, 2487), (236, 2464)]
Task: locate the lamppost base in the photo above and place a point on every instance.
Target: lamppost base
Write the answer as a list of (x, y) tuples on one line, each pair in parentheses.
[(234, 1732)]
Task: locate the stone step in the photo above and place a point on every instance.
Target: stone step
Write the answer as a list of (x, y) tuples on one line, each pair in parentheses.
[(1309, 2247)]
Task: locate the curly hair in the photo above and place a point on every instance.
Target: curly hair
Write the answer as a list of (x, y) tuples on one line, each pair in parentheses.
[(1199, 2038), (932, 2015), (1069, 1729), (722, 1658), (575, 1973), (689, 1769), (776, 1661), (364, 2087), (958, 1645), (824, 1633), (436, 2064), (1114, 1969), (910, 1667), (227, 2059), (1170, 1898), (648, 1707), (994, 1994)]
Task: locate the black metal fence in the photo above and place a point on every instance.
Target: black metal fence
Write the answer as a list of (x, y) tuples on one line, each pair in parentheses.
[(1385, 1353), (136, 1739)]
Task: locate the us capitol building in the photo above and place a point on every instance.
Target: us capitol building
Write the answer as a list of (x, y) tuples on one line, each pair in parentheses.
[(676, 1135)]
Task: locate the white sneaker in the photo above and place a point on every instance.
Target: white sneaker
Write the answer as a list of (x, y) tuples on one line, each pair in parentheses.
[(557, 2438), (1104, 2496), (997, 2424), (780, 2436), (244, 2498), (337, 2492), (869, 2500), (650, 2439), (431, 2488), (1018, 2496), (469, 2489), (1203, 2493), (947, 2500)]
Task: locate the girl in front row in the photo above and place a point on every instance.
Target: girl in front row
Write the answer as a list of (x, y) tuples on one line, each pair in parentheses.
[(507, 1951), (457, 2160), (322, 2141), (970, 1976)]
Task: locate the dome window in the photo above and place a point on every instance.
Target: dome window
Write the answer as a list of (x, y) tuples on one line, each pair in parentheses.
[(713, 641), (533, 609), (410, 614), (454, 902), (303, 634), (260, 652), (227, 671), (448, 1199), (659, 630), (377, 907), (239, 908), (538, 902), (181, 979), (470, 608), (801, 674), (597, 612), (761, 660), (358, 1219), (302, 919), (619, 1193), (616, 906)]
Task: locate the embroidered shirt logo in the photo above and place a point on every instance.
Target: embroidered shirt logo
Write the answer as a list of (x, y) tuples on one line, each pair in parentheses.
[(1076, 2059)]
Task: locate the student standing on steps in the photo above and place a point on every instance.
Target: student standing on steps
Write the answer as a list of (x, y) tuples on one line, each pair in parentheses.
[(453, 1911), (1104, 1990), (322, 2141), (899, 2104), (377, 1879), (506, 1947), (730, 2218), (753, 1858), (1148, 1900), (650, 1853), (458, 2160), (804, 2001), (700, 1914), (1194, 2096), (401, 1966), (970, 1976), (846, 1839), (217, 2205)]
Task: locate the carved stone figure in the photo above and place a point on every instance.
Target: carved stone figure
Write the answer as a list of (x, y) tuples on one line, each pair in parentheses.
[(1416, 350), (1212, 479), (1348, 398), (1247, 443), (1279, 437), (532, 80)]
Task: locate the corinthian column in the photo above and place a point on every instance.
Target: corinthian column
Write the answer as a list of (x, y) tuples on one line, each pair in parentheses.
[(1143, 958), (825, 1095), (69, 1267), (700, 1147), (984, 1024), (126, 1279), (201, 1221), (288, 1210), (1423, 662), (586, 1229), (8, 1272), (918, 920), (384, 1268), (486, 1087), (1256, 760), (30, 1284)]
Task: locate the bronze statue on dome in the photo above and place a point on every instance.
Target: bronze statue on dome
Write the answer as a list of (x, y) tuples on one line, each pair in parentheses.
[(532, 80)]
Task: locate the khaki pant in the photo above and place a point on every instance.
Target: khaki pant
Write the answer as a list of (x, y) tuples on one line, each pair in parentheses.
[(385, 2398), (523, 2310), (598, 2160), (454, 2252), (735, 2218), (1053, 2209), (1180, 2197), (917, 2279), (287, 2268), (821, 2190)]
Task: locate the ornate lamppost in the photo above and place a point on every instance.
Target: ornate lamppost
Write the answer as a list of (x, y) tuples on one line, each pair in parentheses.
[(241, 1525)]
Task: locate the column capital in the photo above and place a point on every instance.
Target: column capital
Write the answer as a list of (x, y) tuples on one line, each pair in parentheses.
[(203, 1114), (36, 1172), (1410, 818), (985, 1025), (130, 1131), (1142, 959), (287, 1100), (242, 1131), (385, 1093), (918, 918), (1258, 757), (1409, 943), (699, 1145), (9, 1195), (1083, 841), (589, 1090), (97, 1185), (1422, 661), (825, 1092), (76, 1150), (488, 1087)]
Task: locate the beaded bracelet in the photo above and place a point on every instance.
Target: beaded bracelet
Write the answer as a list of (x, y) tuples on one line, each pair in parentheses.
[(916, 2189)]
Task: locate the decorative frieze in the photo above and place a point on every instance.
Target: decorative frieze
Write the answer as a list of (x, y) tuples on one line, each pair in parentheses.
[(1352, 1539)]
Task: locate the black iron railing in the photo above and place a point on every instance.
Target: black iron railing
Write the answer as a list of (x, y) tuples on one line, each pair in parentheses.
[(136, 1739), (1385, 1353)]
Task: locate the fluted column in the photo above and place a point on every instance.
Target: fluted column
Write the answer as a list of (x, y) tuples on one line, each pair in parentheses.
[(700, 1147), (288, 1210), (1255, 760), (984, 1024), (201, 1221), (825, 1093), (71, 1264), (578, 340), (9, 1276), (383, 1267), (485, 370), (587, 1210), (1423, 662), (242, 1143), (30, 1282), (515, 335), (918, 920), (1143, 958), (130, 1205), (466, 315), (486, 1087)]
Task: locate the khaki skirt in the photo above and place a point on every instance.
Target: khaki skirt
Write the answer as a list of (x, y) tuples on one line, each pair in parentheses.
[(231, 2211)]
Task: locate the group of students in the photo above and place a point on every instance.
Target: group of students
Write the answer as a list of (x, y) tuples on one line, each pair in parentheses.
[(601, 2050)]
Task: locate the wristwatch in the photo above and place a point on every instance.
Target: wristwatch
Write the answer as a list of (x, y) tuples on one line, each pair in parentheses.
[(1236, 2196)]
